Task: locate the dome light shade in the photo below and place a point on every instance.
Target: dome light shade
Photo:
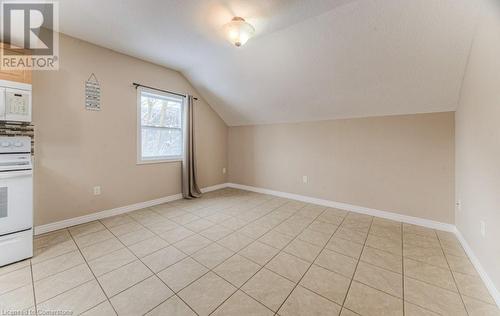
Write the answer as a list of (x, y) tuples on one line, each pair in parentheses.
[(239, 31)]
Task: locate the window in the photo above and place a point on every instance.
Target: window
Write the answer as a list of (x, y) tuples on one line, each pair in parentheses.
[(159, 118)]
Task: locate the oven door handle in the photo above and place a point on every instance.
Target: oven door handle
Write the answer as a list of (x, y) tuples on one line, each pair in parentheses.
[(15, 174)]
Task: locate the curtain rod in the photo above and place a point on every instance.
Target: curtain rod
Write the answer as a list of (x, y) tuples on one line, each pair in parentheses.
[(174, 93)]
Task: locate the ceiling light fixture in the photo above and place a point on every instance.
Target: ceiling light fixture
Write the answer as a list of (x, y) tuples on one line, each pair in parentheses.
[(239, 31)]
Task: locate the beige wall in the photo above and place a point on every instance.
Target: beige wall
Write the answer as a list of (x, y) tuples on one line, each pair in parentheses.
[(78, 149), (403, 164), (478, 144)]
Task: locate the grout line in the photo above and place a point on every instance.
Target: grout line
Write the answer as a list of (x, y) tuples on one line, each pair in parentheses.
[(33, 285)]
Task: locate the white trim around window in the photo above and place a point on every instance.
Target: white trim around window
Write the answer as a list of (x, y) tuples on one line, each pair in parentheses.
[(156, 159)]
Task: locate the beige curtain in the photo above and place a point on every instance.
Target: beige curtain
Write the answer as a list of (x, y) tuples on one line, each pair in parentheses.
[(190, 188)]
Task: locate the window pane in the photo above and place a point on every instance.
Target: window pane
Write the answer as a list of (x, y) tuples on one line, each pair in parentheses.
[(161, 142), (160, 111)]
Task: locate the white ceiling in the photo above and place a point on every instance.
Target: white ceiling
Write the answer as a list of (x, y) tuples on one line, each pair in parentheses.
[(310, 59)]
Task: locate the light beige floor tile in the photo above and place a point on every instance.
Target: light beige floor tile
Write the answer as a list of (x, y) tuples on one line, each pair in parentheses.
[(241, 304), (125, 228), (288, 266), (76, 300), (217, 218), (56, 265), (420, 241), (254, 230), (15, 279), (433, 256), (234, 223), (480, 308), (19, 299), (352, 235), (347, 312), (439, 300), (14, 266), (384, 231), (136, 236), (389, 245), (151, 291), (313, 237), (414, 310), (173, 306), (428, 273), (185, 218), (330, 219), (335, 212), (192, 244), (51, 239), (380, 279), (122, 278), (326, 283), (235, 241), (268, 288), (206, 293), (237, 270), (473, 286), (368, 301), (176, 234), (92, 238), (419, 230), (86, 228), (356, 225), (45, 253), (61, 282), (337, 262), (323, 227), (148, 246), (276, 239), (212, 255), (182, 273), (345, 247), (304, 302), (259, 252), (216, 232), (382, 259), (199, 225), (162, 226), (100, 249), (289, 229), (461, 264), (112, 261), (116, 220), (453, 248), (163, 258), (103, 309), (303, 250)]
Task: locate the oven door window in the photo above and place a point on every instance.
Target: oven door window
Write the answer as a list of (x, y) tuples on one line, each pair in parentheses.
[(3, 201)]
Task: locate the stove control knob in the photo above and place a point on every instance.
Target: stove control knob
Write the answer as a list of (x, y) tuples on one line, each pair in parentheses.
[(5, 144)]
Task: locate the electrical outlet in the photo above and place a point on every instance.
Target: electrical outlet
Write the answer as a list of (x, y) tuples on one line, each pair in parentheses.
[(458, 205), (223, 170), (305, 179), (483, 228), (97, 190)]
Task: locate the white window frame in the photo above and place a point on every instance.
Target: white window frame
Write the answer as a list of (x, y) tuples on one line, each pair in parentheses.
[(160, 159)]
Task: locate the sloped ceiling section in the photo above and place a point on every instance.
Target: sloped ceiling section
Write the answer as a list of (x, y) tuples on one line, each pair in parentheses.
[(310, 59)]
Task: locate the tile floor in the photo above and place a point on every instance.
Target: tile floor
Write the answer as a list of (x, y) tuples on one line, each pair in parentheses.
[(240, 253)]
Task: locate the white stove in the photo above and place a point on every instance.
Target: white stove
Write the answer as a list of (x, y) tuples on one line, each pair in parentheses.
[(16, 199)]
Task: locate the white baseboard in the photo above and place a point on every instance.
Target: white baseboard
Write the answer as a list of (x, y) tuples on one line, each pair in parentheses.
[(352, 208), (42, 229), (479, 268)]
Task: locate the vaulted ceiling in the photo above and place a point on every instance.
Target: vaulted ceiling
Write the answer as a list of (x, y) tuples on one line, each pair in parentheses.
[(310, 59)]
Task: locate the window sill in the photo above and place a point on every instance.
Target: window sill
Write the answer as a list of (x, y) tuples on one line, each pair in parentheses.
[(149, 162)]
